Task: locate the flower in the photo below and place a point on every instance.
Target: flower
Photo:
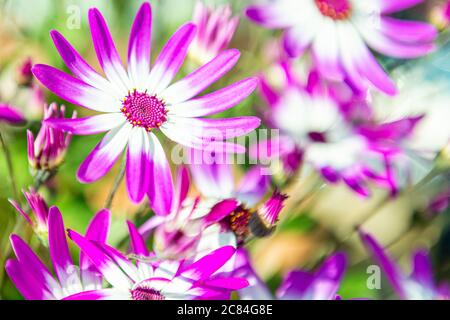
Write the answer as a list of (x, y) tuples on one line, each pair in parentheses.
[(338, 31), (47, 151), (24, 74), (36, 282), (323, 284), (419, 285), (10, 115), (151, 279), (135, 102), (216, 27), (262, 223), (39, 213)]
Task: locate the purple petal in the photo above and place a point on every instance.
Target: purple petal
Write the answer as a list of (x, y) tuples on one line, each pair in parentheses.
[(423, 271), (139, 46), (87, 126), (75, 91), (407, 31), (217, 101), (171, 58), (392, 6), (10, 115), (201, 78), (137, 171), (137, 242), (253, 186), (106, 51), (103, 294), (227, 283), (160, 190), (104, 155), (220, 211), (181, 188)]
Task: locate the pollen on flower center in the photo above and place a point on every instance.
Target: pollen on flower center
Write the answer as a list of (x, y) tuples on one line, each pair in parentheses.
[(144, 110), (335, 9), (238, 222), (144, 292)]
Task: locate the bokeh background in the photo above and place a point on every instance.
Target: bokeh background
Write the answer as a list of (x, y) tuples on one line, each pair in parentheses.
[(323, 223)]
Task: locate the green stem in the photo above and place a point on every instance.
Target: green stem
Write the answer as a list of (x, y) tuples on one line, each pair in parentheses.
[(10, 168), (117, 181)]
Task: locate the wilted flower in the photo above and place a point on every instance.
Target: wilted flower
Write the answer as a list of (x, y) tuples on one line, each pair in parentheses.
[(152, 279), (36, 282), (215, 29), (10, 115), (337, 32), (139, 101), (38, 216), (47, 151), (263, 222), (417, 286)]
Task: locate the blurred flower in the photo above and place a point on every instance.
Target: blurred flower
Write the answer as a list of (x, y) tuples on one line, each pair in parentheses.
[(38, 216), (47, 151), (36, 282), (297, 285), (139, 101), (440, 203), (417, 286), (24, 74), (337, 31), (150, 279), (440, 14), (10, 115), (215, 29)]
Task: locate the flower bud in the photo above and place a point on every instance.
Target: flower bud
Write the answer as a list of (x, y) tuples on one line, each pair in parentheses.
[(264, 220)]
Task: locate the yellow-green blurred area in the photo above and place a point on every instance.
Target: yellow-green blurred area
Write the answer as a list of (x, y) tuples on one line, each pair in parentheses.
[(318, 219)]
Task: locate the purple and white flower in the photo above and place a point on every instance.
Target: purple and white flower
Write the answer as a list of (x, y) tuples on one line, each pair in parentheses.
[(35, 281), (139, 100), (215, 29), (339, 32), (47, 151), (152, 279), (419, 285)]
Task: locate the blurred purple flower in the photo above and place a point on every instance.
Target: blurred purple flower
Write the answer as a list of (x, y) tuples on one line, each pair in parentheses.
[(150, 279), (24, 74), (10, 115), (47, 151), (215, 29), (137, 101), (338, 32), (36, 282), (417, 286)]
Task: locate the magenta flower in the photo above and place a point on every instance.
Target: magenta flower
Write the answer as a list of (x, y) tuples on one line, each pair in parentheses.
[(151, 279), (137, 101), (38, 216), (322, 284), (263, 222), (47, 151), (10, 115), (419, 285), (34, 280), (338, 32), (216, 27)]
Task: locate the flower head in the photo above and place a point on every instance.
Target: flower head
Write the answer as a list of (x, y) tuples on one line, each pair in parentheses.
[(38, 216), (47, 151), (33, 279), (417, 286), (153, 279), (139, 100), (216, 27), (337, 32), (264, 220)]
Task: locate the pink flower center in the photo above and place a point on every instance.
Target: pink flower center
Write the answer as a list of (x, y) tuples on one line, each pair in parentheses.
[(335, 9), (144, 110), (143, 292)]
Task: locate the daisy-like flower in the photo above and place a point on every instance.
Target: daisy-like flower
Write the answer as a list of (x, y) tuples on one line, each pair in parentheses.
[(322, 284), (216, 27), (38, 217), (10, 115), (140, 100), (338, 33), (47, 151), (419, 285), (35, 281), (151, 279)]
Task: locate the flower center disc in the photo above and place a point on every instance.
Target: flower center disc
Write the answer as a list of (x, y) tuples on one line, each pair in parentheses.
[(238, 222), (144, 110), (335, 9), (142, 292)]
